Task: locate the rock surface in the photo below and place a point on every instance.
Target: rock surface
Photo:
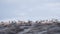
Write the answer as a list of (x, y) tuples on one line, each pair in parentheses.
[(28, 28)]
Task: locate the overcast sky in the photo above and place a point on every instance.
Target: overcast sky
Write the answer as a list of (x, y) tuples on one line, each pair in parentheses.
[(29, 9)]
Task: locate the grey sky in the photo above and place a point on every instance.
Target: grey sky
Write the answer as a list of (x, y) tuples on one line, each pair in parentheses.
[(29, 9)]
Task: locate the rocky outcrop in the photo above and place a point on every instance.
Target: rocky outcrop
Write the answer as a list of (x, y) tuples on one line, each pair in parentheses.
[(38, 27)]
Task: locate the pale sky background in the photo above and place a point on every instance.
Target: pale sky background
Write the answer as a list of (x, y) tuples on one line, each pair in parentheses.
[(29, 9)]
